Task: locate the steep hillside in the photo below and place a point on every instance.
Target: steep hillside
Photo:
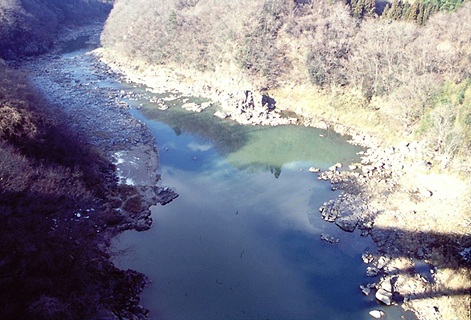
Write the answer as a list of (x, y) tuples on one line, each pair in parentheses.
[(318, 58), (28, 27), (56, 195)]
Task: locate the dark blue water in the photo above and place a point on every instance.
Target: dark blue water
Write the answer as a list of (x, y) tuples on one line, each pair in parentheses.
[(243, 239)]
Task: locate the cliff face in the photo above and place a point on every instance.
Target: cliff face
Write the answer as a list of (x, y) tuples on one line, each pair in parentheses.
[(28, 27)]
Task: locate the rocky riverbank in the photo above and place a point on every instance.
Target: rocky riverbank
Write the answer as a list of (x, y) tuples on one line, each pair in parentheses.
[(84, 97), (419, 218)]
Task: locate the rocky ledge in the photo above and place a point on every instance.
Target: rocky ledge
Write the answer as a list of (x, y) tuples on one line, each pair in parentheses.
[(252, 108)]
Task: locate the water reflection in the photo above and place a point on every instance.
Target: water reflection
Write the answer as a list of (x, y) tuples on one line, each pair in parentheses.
[(237, 245), (257, 148)]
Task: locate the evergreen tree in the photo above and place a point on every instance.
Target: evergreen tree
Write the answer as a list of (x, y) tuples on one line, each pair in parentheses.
[(395, 13), (353, 5)]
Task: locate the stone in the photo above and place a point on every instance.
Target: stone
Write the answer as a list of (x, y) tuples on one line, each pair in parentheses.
[(366, 291), (372, 271), (377, 314), (384, 296), (329, 239), (221, 115), (347, 223)]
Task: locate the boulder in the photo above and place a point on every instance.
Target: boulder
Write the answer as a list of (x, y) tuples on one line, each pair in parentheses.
[(206, 105), (347, 223), (367, 169), (386, 285), (353, 166), (367, 257), (366, 291), (384, 296), (372, 271), (191, 106), (377, 314), (221, 115), (425, 193)]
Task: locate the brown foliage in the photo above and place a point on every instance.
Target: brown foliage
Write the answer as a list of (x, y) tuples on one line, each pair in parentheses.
[(52, 189), (280, 42)]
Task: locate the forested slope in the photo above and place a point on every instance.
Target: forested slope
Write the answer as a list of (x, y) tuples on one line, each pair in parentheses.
[(410, 77), (58, 196), (55, 204), (28, 27)]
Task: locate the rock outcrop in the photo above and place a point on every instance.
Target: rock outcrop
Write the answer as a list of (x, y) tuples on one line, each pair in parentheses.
[(252, 108)]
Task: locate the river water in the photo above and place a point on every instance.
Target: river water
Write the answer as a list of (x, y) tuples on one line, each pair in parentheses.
[(243, 239)]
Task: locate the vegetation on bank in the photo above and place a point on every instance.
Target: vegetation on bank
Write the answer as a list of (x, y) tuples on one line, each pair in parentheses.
[(55, 209), (28, 27), (409, 77)]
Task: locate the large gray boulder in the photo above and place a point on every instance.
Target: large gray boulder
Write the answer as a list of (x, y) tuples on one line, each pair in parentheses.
[(384, 296)]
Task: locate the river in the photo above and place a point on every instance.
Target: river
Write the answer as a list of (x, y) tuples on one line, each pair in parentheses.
[(242, 241)]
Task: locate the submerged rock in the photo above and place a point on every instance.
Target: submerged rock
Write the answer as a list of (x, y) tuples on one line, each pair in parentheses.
[(329, 239)]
